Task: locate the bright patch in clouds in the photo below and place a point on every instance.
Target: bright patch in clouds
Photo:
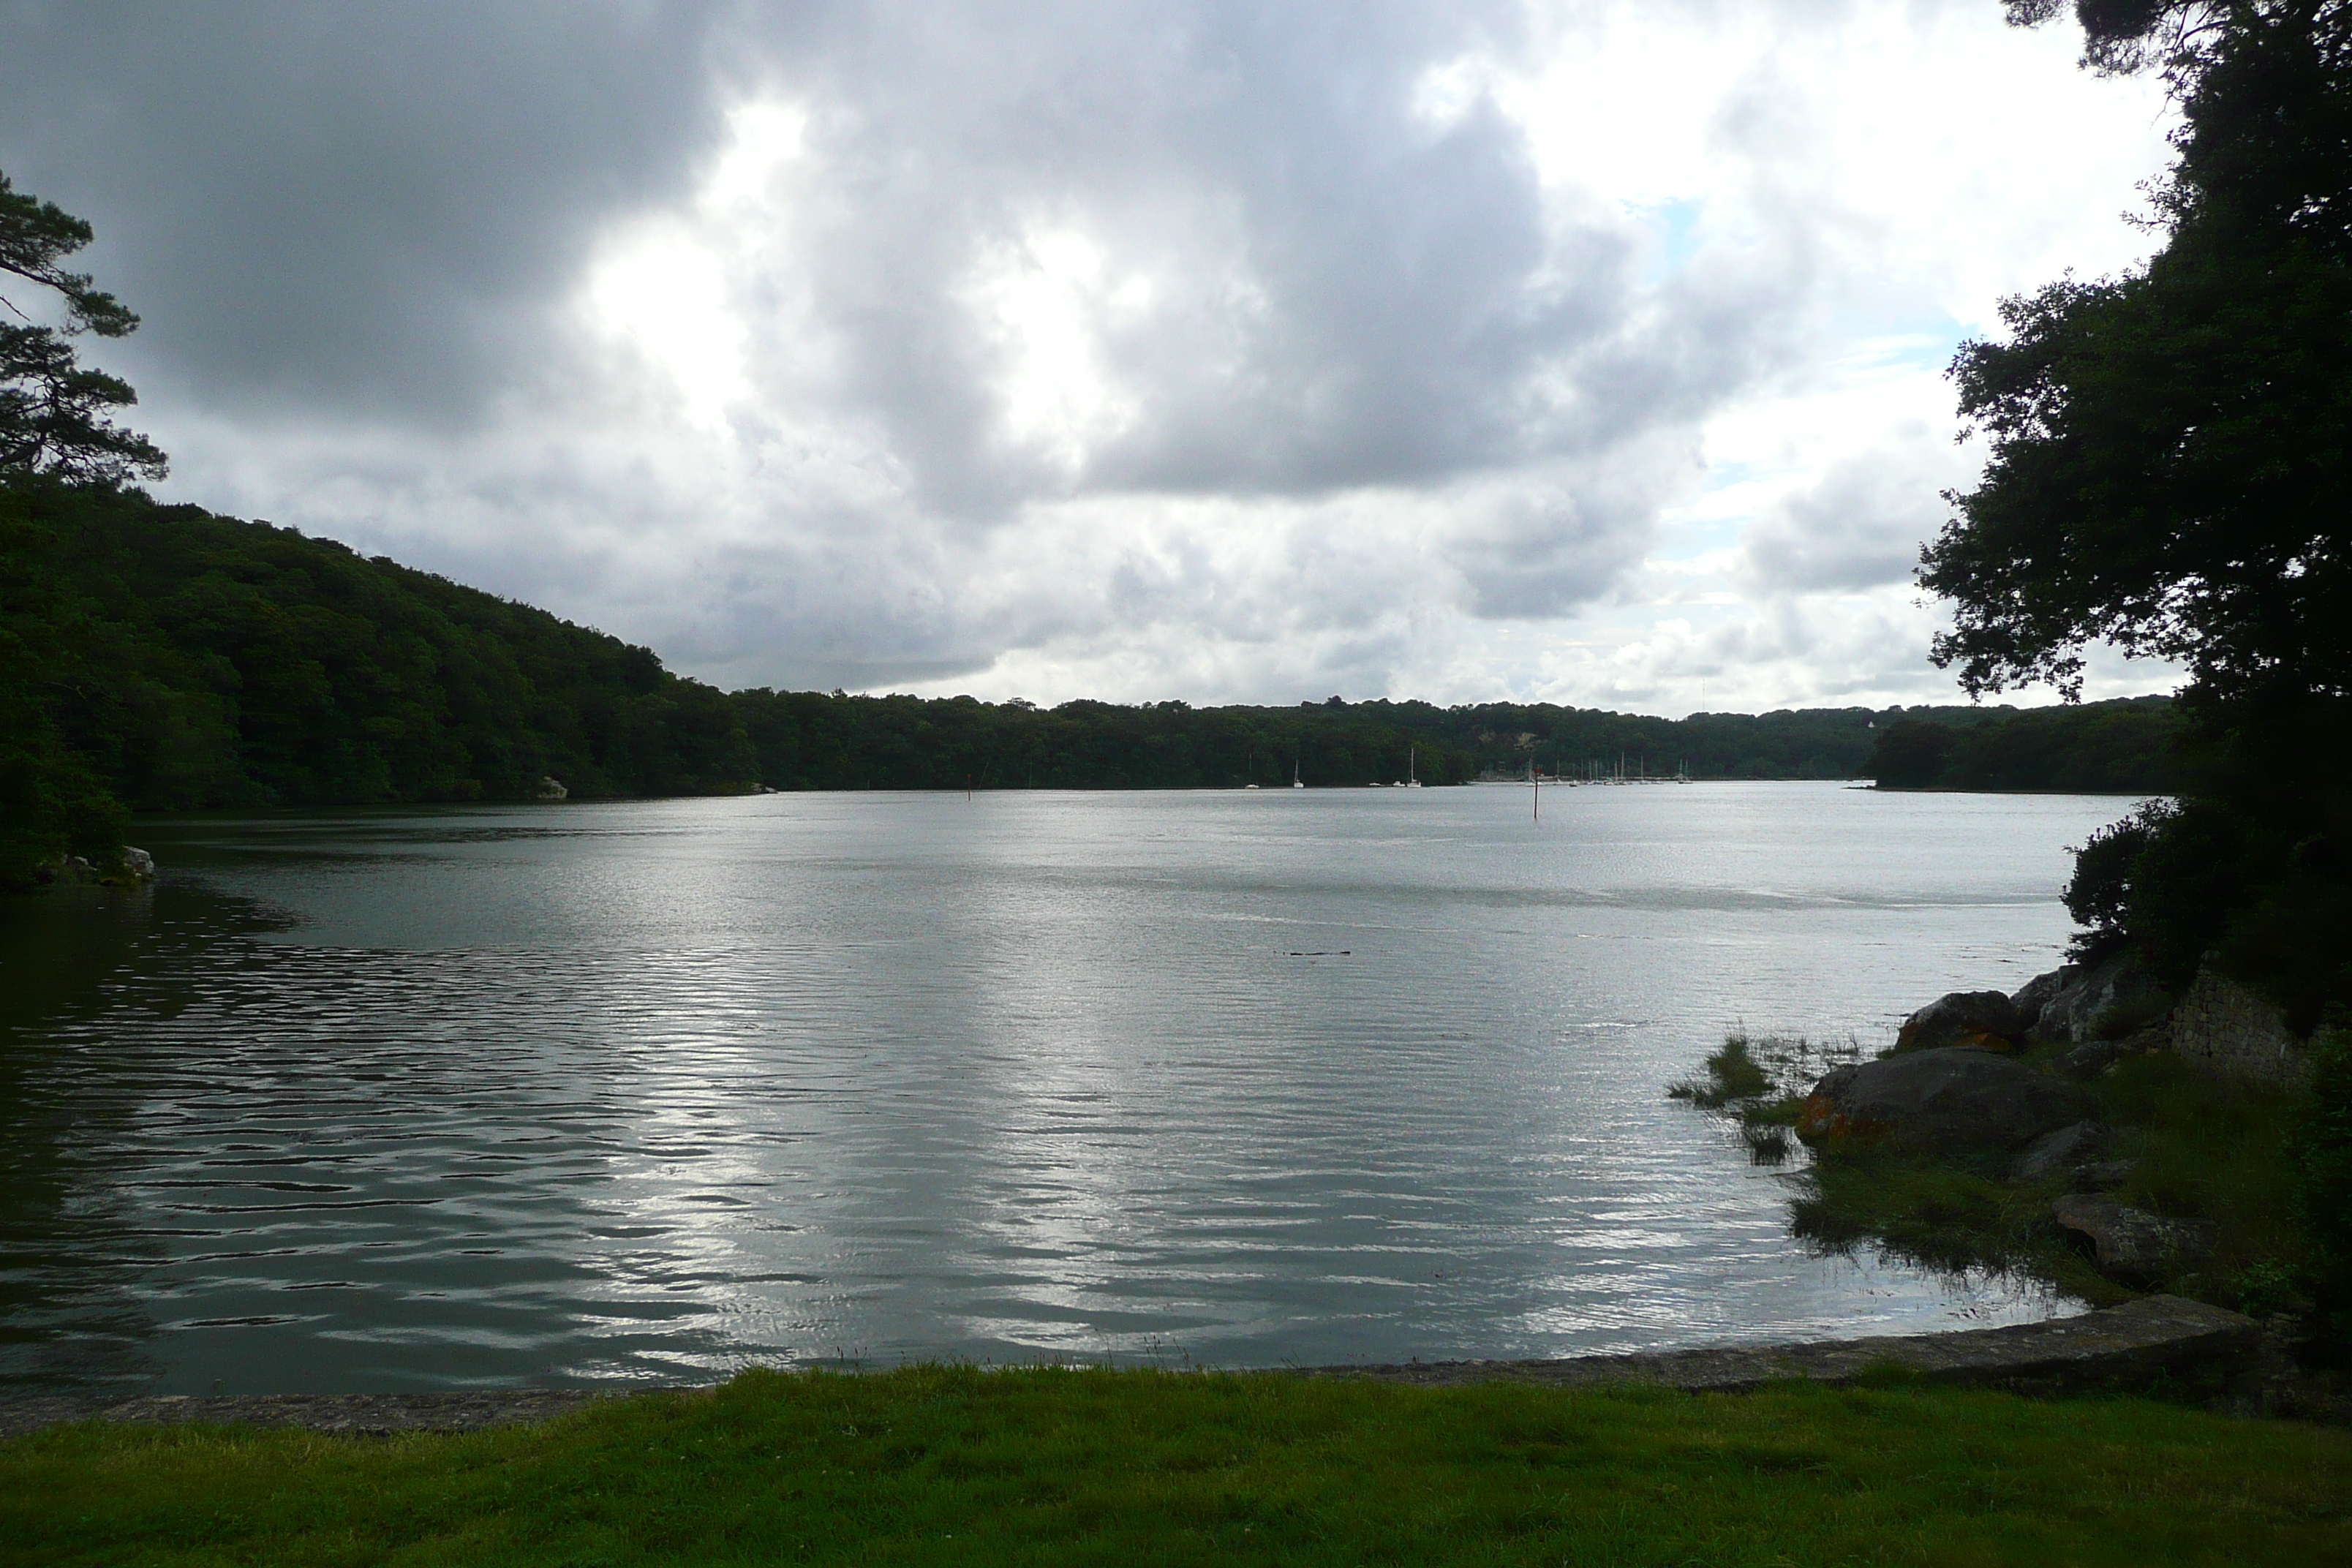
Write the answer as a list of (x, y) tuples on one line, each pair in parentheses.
[(1590, 351)]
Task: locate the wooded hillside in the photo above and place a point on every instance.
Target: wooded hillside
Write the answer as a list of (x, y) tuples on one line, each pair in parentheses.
[(161, 659)]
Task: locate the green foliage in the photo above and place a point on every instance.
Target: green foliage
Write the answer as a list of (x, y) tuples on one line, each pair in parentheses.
[(2207, 1147), (2168, 463), (1760, 1085), (2322, 1147), (2167, 474), (2099, 894), (2129, 746), (1947, 1216), (1731, 1074), (1803, 743), (1774, 1069), (956, 1465), (55, 413), (807, 739), (811, 740), (2253, 868), (1911, 754), (161, 658), (2187, 1144)]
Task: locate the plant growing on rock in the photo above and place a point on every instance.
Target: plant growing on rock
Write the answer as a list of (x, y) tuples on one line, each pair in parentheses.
[(1759, 1084)]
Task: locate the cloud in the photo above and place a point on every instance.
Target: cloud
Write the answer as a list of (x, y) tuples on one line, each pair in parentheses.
[(1862, 522), (1210, 349), (363, 210)]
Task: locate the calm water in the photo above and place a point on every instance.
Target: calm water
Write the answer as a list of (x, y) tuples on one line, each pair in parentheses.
[(549, 1094)]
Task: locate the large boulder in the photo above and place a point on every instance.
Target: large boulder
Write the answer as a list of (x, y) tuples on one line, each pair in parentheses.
[(2075, 1002), (2034, 996), (1958, 1099), (2133, 1243), (2065, 1150), (1984, 1018)]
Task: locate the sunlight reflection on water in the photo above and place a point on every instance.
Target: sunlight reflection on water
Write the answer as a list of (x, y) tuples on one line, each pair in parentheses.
[(547, 1095)]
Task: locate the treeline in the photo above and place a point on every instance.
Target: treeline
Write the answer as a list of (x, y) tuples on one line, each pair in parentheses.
[(158, 658), (2124, 747), (2130, 746), (809, 740), (161, 658)]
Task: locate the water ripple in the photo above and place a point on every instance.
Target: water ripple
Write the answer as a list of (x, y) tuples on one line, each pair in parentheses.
[(653, 1090)]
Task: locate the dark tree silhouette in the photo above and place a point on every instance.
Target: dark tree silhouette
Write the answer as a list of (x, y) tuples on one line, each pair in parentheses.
[(2169, 459), (55, 413)]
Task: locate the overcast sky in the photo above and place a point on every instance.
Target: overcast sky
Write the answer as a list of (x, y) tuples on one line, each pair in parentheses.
[(1576, 351)]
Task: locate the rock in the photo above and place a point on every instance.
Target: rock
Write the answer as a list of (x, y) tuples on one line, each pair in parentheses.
[(2156, 1339), (2090, 1058), (1984, 1018), (2130, 1242), (553, 789), (2077, 1001), (138, 862), (2055, 1151), (1954, 1099), (2036, 994), (2227, 1026), (2104, 1173)]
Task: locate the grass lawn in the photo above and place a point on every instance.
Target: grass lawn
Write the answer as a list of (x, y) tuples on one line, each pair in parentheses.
[(949, 1465)]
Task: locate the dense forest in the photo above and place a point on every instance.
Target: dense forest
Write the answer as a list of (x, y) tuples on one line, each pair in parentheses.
[(2132, 746), (160, 658)]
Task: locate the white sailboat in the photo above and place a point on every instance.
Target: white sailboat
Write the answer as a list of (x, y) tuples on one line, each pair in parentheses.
[(1412, 776), (1294, 775)]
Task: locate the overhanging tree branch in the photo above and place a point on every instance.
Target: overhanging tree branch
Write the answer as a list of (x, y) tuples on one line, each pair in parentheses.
[(56, 414)]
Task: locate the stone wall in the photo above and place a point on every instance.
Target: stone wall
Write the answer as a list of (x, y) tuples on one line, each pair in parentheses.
[(2230, 1028)]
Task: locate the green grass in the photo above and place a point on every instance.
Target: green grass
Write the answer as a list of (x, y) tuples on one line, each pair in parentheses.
[(2211, 1148), (1731, 1074), (1943, 1217), (1757, 1085), (952, 1465)]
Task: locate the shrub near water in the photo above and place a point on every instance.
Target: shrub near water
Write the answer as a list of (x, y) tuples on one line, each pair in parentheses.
[(1731, 1074), (960, 1465), (2270, 1168), (1760, 1084)]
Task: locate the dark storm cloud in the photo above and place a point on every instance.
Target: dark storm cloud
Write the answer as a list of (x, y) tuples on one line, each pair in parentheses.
[(373, 211), (1346, 288), (348, 209), (495, 287)]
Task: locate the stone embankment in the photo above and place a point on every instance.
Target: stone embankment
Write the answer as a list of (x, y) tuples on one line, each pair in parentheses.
[(353, 1414), (2113, 1007), (2155, 1340)]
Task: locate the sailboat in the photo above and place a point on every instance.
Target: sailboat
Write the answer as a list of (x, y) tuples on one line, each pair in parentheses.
[(1294, 775), (1411, 777)]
